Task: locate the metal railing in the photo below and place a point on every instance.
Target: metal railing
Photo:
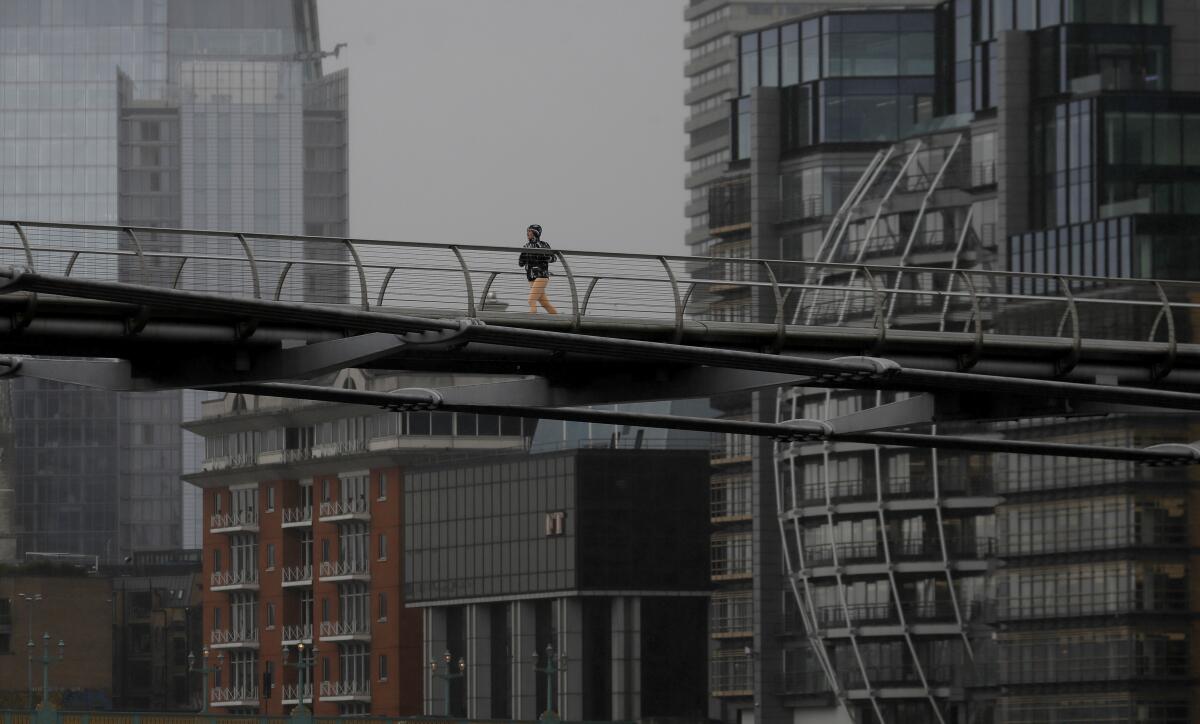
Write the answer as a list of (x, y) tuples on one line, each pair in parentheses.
[(298, 515), (298, 632), (331, 629), (227, 636), (333, 569), (244, 519), (233, 695), (293, 692), (452, 280), (234, 578), (335, 508), (297, 574), (345, 688)]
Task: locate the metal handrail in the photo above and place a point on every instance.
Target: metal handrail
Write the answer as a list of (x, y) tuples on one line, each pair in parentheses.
[(233, 636), (233, 693), (234, 578), (345, 628), (345, 688), (330, 569), (295, 574), (244, 519), (299, 514), (298, 632), (370, 269)]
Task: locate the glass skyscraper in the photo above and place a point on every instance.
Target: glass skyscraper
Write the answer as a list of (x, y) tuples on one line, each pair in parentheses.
[(158, 113)]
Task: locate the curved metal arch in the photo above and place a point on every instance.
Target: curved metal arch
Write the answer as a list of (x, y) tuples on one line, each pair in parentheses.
[(1161, 370), (467, 279), (362, 275), (253, 265), (575, 311), (1064, 366)]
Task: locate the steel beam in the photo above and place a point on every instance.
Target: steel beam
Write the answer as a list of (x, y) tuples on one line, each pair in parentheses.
[(791, 431)]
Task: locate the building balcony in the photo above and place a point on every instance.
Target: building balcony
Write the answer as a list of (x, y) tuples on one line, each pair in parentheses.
[(234, 581), (297, 575), (299, 633), (345, 631), (345, 571), (346, 690), (243, 522), (229, 462), (731, 673), (226, 639), (299, 517), (292, 693), (333, 511), (234, 696)]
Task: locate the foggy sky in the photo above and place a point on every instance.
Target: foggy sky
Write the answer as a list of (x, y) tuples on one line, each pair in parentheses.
[(471, 119)]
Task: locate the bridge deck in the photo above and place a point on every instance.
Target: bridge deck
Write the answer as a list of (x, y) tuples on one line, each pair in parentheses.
[(969, 317)]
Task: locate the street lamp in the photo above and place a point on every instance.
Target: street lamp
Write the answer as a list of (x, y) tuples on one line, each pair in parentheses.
[(44, 712), (304, 666), (553, 666), (205, 670), (29, 598), (447, 675)]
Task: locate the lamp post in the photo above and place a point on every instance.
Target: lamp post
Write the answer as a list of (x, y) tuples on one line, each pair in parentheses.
[(303, 666), (448, 675), (554, 664), (45, 712), (29, 598), (205, 670)]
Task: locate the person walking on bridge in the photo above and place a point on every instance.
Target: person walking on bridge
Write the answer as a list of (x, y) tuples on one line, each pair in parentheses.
[(537, 269)]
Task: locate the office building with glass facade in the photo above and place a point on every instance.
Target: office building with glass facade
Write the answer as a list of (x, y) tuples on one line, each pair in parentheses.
[(1044, 136), (304, 544), (596, 554), (157, 113)]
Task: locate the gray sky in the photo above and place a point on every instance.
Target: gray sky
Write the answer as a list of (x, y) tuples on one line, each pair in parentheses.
[(471, 119)]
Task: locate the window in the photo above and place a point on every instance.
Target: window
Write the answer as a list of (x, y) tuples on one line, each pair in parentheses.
[(382, 605), (382, 667), (382, 546), (217, 618), (325, 668), (270, 615), (217, 501), (216, 559), (270, 556), (270, 497), (324, 610), (382, 486), (324, 550), (5, 625)]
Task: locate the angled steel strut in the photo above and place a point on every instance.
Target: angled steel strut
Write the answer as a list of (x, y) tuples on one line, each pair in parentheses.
[(792, 431)]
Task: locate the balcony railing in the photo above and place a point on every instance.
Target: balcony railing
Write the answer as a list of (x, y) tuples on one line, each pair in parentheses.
[(234, 579), (345, 509), (234, 696), (293, 692), (345, 629), (344, 569), (297, 516), (983, 174), (246, 520), (228, 639), (296, 633), (297, 575), (731, 673), (345, 690)]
